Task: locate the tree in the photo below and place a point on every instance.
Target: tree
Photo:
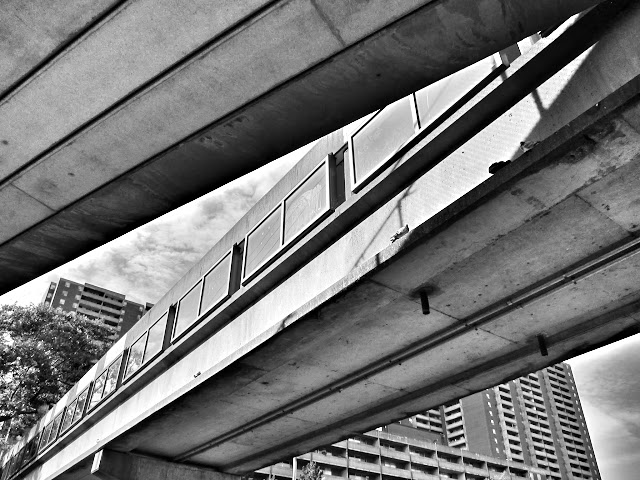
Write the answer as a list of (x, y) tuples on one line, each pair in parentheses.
[(43, 353), (311, 471)]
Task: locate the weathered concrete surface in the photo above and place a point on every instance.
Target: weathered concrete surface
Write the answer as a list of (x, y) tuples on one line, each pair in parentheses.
[(35, 30), (110, 136), (110, 465), (523, 253)]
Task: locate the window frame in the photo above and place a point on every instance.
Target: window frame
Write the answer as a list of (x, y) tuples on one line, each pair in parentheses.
[(104, 371), (326, 164), (145, 361), (175, 336), (227, 293), (358, 184), (246, 278), (500, 65)]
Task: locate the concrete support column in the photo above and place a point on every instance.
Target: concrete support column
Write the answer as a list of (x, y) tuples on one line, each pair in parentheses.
[(111, 465)]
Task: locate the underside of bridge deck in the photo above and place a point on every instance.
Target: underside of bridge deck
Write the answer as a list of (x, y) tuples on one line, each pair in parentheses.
[(545, 252), (117, 112)]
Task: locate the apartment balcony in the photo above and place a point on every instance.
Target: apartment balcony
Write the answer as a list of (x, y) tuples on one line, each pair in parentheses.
[(458, 443), (392, 453), (331, 477), (450, 408), (512, 437), (396, 472), (364, 465), (88, 313), (363, 447), (419, 459), (106, 308), (424, 476), (453, 467), (102, 298), (325, 459), (84, 302), (282, 470), (456, 424), (500, 476), (475, 470), (539, 446)]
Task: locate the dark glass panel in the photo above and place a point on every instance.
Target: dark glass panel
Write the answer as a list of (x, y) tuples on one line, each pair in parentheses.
[(82, 400), (136, 354), (68, 415), (156, 338), (98, 387), (45, 435), (112, 377)]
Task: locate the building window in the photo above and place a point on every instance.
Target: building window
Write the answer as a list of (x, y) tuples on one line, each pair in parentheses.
[(64, 293), (67, 284), (48, 295), (187, 312), (75, 305), (77, 297), (62, 301), (262, 242)]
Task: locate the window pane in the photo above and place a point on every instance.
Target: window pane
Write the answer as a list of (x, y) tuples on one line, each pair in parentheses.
[(435, 99), (216, 284), (45, 435), (112, 377), (263, 242), (55, 427), (98, 386), (136, 352), (82, 399), (68, 415), (156, 338), (305, 204), (381, 137), (187, 310)]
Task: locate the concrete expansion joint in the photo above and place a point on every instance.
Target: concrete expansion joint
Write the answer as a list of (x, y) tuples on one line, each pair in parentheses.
[(28, 195), (334, 31)]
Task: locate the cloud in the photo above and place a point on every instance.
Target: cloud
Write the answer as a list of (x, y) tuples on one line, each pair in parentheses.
[(146, 262), (607, 381)]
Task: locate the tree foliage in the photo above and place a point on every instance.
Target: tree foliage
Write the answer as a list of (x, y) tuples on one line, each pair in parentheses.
[(311, 471), (43, 352)]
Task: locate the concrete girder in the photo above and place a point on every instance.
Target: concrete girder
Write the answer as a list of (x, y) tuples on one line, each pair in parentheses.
[(228, 417), (212, 405), (110, 465), (34, 32), (151, 148)]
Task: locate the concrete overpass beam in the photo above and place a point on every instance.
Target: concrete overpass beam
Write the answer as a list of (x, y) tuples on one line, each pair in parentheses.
[(111, 465)]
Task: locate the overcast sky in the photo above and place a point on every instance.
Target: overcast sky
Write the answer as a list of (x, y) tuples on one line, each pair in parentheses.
[(145, 263)]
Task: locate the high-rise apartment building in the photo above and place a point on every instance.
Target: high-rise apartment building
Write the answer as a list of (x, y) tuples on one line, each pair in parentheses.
[(532, 427), (536, 419), (95, 302)]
